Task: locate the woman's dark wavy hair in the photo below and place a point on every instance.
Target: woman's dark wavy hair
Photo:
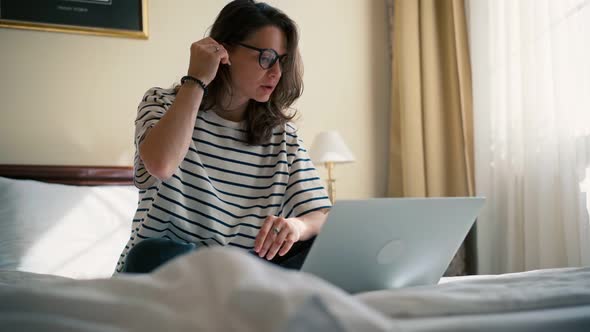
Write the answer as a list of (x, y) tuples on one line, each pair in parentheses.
[(235, 23)]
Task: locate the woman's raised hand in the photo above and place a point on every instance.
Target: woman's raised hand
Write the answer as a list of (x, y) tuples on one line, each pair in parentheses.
[(206, 55)]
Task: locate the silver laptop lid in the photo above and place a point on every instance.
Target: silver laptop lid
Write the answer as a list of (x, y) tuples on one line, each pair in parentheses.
[(390, 242)]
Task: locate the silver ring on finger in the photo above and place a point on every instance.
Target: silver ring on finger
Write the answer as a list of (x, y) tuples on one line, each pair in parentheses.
[(216, 49), (276, 230)]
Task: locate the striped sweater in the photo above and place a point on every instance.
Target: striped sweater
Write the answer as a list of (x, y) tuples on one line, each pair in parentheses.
[(223, 189)]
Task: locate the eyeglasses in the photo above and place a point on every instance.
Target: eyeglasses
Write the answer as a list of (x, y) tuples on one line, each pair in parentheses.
[(267, 57)]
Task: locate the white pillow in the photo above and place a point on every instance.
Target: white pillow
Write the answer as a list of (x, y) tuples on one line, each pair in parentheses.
[(71, 231)]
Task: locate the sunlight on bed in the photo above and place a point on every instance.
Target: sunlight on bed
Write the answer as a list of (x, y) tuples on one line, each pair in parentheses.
[(86, 240)]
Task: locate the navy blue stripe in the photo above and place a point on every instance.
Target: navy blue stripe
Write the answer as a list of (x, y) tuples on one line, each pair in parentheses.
[(139, 210), (299, 160), (203, 226), (162, 231), (303, 170), (222, 200), (213, 206), (225, 192), (143, 191), (207, 216), (183, 230), (161, 91), (150, 112), (147, 199), (182, 239), (243, 151), (301, 192), (147, 95), (144, 181), (235, 183), (245, 174), (157, 92), (306, 201), (302, 180), (158, 105), (238, 161), (146, 125), (225, 170), (284, 133), (249, 186), (314, 209), (140, 175), (218, 135)]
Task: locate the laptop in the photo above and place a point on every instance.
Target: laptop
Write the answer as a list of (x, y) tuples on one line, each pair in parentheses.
[(385, 243)]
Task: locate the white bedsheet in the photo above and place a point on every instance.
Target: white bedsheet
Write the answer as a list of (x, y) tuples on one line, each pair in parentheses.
[(224, 289)]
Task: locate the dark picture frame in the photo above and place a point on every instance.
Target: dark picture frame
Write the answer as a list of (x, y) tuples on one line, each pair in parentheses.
[(118, 18)]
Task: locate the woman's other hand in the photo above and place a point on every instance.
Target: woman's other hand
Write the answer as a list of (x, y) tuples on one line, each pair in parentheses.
[(206, 55), (277, 235)]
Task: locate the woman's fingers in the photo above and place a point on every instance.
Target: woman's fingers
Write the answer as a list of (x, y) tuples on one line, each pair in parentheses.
[(276, 227), (263, 233), (278, 242), (289, 241), (223, 55), (214, 47), (276, 236), (205, 58)]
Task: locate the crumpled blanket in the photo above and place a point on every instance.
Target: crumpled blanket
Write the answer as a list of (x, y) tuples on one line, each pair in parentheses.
[(217, 289), (225, 289)]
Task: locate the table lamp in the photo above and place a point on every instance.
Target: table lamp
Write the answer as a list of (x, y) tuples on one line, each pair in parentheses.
[(328, 148)]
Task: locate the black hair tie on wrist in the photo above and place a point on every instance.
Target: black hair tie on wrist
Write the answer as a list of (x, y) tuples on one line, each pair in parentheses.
[(196, 80)]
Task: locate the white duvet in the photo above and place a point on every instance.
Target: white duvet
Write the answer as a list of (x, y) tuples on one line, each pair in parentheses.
[(223, 289)]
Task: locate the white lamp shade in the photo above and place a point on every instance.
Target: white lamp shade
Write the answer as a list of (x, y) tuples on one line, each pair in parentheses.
[(328, 146)]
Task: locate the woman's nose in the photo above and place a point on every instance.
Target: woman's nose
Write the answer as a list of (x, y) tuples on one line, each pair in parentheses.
[(275, 70)]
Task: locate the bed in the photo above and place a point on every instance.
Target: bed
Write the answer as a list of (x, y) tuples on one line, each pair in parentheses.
[(64, 227)]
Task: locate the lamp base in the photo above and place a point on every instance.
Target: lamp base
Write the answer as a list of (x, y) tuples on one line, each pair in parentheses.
[(331, 182)]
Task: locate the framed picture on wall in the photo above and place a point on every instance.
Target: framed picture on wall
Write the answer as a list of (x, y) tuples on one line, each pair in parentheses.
[(119, 18)]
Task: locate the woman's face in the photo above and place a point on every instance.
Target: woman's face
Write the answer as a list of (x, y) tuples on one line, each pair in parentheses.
[(249, 79)]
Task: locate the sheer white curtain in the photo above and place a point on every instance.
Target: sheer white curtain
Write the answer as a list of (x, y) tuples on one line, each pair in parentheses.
[(531, 88)]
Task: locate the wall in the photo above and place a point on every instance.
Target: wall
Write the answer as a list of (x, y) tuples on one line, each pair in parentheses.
[(71, 99)]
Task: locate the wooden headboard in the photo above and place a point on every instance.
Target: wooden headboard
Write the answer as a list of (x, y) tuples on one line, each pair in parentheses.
[(73, 175)]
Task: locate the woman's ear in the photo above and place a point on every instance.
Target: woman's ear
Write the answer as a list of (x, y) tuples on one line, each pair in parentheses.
[(228, 47)]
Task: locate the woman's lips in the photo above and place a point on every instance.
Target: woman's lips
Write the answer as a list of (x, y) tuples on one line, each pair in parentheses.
[(267, 88)]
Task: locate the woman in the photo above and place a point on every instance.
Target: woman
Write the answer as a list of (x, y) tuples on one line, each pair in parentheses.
[(217, 161)]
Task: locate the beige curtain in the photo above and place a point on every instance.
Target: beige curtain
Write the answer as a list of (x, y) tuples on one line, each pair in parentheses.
[(431, 136)]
